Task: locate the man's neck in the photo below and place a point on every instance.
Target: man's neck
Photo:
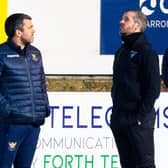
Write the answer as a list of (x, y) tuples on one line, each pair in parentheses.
[(18, 42)]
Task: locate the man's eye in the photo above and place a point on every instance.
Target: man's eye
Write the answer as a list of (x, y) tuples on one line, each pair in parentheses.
[(126, 19)]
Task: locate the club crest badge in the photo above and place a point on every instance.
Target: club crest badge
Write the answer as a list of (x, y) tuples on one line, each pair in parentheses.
[(34, 57), (12, 146)]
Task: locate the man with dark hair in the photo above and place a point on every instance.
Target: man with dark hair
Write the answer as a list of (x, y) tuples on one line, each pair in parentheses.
[(23, 96), (136, 86)]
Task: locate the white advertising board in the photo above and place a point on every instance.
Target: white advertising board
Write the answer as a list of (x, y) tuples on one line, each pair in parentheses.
[(76, 135)]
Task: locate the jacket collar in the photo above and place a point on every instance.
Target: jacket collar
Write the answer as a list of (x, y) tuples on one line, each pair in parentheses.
[(133, 41), (15, 47)]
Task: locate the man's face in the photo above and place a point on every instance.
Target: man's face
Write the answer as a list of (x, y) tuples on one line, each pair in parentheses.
[(127, 24), (27, 35)]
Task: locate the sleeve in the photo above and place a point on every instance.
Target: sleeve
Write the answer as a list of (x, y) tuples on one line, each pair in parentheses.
[(150, 82), (44, 89), (165, 68), (4, 105)]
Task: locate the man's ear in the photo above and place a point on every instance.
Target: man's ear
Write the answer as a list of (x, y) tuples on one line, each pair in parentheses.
[(18, 33), (137, 26)]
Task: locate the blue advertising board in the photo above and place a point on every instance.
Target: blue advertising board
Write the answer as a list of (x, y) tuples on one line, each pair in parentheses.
[(112, 11)]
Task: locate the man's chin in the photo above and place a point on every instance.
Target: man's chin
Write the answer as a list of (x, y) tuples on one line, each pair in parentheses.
[(121, 32)]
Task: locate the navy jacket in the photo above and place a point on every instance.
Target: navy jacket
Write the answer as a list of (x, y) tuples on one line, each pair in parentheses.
[(136, 78), (23, 97)]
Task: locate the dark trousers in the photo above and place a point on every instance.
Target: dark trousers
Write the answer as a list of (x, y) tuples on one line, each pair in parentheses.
[(18, 144), (135, 141)]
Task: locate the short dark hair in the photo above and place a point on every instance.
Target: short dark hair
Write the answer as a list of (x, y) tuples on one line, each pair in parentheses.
[(14, 22)]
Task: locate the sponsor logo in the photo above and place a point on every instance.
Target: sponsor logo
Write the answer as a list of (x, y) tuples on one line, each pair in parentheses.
[(149, 8), (13, 56), (133, 53)]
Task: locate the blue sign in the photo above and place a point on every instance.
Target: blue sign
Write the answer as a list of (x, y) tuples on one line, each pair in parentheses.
[(112, 11)]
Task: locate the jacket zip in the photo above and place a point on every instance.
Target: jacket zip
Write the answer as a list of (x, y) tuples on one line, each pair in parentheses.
[(31, 86)]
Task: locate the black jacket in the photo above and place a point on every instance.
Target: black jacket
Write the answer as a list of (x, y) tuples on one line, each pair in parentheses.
[(165, 68), (136, 78), (23, 97)]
